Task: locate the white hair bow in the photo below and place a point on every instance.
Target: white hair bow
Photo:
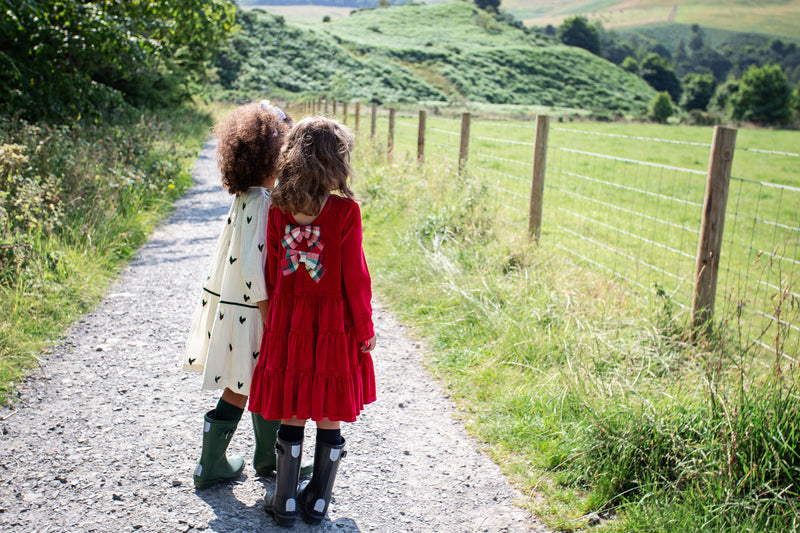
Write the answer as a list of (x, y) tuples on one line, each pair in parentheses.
[(277, 110)]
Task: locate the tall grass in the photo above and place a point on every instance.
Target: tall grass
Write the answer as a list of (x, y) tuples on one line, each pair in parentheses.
[(585, 391), (75, 203)]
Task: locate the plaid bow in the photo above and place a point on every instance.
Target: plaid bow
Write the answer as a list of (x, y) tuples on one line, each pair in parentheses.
[(296, 234), (291, 261)]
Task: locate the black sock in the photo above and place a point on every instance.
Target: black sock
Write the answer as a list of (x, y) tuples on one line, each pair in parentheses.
[(289, 433), (227, 412), (330, 436)]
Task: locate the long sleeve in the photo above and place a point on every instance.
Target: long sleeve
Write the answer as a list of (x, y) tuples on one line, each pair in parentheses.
[(271, 268), (355, 275), (253, 247)]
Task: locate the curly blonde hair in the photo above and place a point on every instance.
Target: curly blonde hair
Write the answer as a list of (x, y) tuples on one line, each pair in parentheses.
[(314, 161), (250, 140)]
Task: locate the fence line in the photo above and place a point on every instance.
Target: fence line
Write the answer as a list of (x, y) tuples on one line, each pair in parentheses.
[(638, 220)]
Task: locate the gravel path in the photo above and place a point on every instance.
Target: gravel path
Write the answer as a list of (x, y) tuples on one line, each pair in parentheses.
[(108, 430)]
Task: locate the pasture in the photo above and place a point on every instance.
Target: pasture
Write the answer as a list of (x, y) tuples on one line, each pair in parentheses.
[(771, 17), (627, 199)]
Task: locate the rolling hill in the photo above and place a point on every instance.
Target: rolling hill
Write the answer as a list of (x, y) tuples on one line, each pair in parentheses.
[(448, 52)]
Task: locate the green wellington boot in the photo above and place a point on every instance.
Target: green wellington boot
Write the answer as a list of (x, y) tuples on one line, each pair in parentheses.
[(264, 459), (214, 466)]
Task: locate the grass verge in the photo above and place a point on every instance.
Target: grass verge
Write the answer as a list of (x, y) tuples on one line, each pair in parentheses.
[(586, 393), (76, 202)]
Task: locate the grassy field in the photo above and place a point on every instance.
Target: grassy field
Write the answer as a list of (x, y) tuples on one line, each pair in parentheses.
[(773, 17), (626, 199), (583, 387)]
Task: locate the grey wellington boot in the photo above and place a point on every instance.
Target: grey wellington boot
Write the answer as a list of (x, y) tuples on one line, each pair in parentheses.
[(214, 466), (315, 495), (281, 501), (264, 458)]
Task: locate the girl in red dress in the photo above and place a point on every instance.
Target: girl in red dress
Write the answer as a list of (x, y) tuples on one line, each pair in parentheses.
[(315, 357)]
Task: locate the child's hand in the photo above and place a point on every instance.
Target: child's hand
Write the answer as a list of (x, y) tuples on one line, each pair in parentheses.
[(368, 346)]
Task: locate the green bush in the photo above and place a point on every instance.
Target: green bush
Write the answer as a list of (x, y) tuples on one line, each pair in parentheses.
[(763, 96), (697, 91), (75, 202), (660, 107)]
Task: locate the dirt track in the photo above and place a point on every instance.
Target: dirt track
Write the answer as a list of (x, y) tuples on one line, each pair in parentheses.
[(108, 430)]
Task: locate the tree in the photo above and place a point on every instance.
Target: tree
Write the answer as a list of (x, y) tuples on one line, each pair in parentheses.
[(657, 72), (65, 57), (723, 97), (630, 64), (696, 42), (764, 96), (660, 107), (796, 99), (488, 5), (576, 31), (697, 91)]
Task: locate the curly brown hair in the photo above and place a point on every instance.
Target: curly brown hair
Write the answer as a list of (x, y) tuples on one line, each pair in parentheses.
[(250, 140), (314, 161)]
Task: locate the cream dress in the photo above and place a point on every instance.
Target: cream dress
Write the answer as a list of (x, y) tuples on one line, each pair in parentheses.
[(225, 335)]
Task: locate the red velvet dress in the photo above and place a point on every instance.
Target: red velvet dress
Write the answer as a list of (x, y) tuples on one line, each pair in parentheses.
[(310, 364)]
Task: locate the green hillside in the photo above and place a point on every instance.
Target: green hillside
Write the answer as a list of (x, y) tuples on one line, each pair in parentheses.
[(448, 52)]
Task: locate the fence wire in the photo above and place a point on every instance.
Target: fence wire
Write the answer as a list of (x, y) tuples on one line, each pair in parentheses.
[(639, 220)]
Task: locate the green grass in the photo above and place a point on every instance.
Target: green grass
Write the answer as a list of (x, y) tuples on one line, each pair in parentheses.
[(582, 386), (77, 203), (640, 222)]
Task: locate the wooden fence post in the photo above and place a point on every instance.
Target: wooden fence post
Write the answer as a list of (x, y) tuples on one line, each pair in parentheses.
[(333, 107), (421, 136), (357, 115), (537, 177), (344, 112), (325, 105), (390, 146), (373, 116), (463, 146), (708, 248)]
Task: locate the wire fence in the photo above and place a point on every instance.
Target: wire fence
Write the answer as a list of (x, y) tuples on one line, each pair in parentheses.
[(631, 206)]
